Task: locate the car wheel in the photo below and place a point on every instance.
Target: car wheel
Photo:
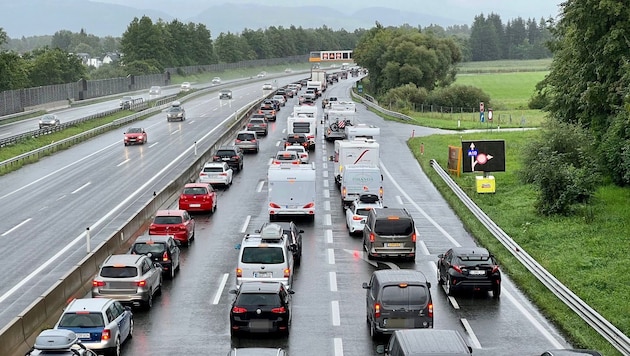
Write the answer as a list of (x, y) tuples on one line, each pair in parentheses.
[(449, 288), (192, 237), (496, 290), (214, 208), (149, 303), (115, 351), (373, 333), (171, 273), (130, 336)]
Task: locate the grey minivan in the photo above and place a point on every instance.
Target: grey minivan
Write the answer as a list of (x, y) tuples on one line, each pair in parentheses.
[(389, 232), (426, 342), (398, 299)]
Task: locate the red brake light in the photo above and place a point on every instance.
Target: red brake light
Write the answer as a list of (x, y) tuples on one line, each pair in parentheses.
[(295, 162), (431, 310), (344, 191), (274, 205), (250, 125), (223, 174), (239, 310), (254, 140), (98, 284), (357, 217), (235, 157), (377, 310), (495, 269), (237, 140), (309, 205), (371, 237), (413, 237), (142, 283), (457, 268), (106, 335), (165, 256), (280, 310)]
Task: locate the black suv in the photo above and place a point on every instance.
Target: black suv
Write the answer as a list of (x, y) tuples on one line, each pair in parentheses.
[(162, 249), (294, 234), (232, 155), (261, 307), (470, 268), (297, 139)]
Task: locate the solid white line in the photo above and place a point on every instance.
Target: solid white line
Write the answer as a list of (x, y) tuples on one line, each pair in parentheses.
[(327, 205), (327, 219), (107, 216), (217, 296), (325, 174), (326, 193), (16, 226), (332, 277), (215, 109), (331, 256), (61, 197), (245, 224), (325, 184), (471, 334), (153, 144), (399, 200), (260, 186), (123, 162), (338, 346), (433, 222), (423, 247), (329, 236), (556, 344), (81, 187), (336, 319)]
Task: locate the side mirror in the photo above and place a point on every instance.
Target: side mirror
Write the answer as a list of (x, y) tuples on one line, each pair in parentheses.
[(331, 158), (365, 285), (380, 349), (440, 255), (428, 284), (291, 291), (232, 291), (237, 246), (301, 232)]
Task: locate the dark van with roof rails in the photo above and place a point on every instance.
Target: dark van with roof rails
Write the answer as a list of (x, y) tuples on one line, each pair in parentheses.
[(390, 232)]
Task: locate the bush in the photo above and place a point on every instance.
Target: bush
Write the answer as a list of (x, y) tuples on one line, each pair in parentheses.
[(464, 96), (404, 97), (615, 150)]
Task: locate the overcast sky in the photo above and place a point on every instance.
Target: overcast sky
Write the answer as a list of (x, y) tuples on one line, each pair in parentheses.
[(461, 10)]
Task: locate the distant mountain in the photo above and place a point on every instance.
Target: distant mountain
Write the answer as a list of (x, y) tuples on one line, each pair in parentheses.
[(38, 17)]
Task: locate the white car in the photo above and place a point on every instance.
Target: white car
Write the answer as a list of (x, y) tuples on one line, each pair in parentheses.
[(357, 212), (155, 90), (267, 86), (301, 152), (288, 70), (185, 86), (216, 173), (216, 80), (262, 74), (286, 157)]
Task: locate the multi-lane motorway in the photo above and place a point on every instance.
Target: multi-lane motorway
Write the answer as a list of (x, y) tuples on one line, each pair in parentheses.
[(100, 183)]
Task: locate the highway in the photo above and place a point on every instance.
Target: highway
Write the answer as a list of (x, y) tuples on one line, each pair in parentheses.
[(100, 183)]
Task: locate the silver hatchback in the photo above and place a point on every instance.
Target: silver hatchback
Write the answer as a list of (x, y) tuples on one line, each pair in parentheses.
[(130, 279), (247, 141)]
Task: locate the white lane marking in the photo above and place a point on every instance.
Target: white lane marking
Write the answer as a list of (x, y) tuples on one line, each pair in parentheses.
[(451, 299), (260, 186), (329, 236), (277, 143), (399, 200), (123, 162), (270, 161), (331, 256), (336, 319), (338, 346), (153, 144), (325, 184), (327, 219), (325, 174), (246, 224), (326, 193), (453, 302), (109, 214), (61, 197), (215, 109), (325, 165), (81, 187), (391, 265), (174, 132), (556, 344), (16, 226), (327, 205), (423, 247), (191, 122), (471, 334), (332, 277), (433, 222), (217, 296), (284, 130), (325, 159)]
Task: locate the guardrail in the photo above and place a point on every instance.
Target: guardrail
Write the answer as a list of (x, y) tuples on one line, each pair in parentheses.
[(372, 104), (616, 338)]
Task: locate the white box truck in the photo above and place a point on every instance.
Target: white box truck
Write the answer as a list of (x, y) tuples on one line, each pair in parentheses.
[(347, 152), (319, 75), (291, 190), (360, 179)]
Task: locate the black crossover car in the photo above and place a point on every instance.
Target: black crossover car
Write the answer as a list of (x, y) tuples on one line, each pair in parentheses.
[(232, 155), (469, 268), (261, 307)]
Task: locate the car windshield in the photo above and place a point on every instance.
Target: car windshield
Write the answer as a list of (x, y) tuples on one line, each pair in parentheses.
[(48, 117), (175, 109), (258, 299), (81, 320), (393, 227), (167, 220), (119, 272), (195, 191), (263, 255), (412, 295), (144, 247), (256, 121), (134, 130)]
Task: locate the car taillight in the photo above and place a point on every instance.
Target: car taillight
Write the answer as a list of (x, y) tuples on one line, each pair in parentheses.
[(106, 334), (430, 310), (98, 284), (239, 310), (275, 162), (357, 217), (377, 310), (457, 268), (274, 205), (380, 192), (295, 162), (344, 191), (263, 125), (371, 237), (309, 205), (142, 283), (287, 272), (237, 140), (280, 310), (495, 269), (216, 157), (239, 272), (250, 125), (413, 237), (223, 174), (254, 140), (165, 256), (202, 174), (303, 155), (235, 157)]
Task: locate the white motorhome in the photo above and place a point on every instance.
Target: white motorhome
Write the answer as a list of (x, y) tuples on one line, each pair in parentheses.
[(317, 85), (291, 190), (347, 152), (360, 179), (340, 106), (362, 131), (303, 123), (337, 121)]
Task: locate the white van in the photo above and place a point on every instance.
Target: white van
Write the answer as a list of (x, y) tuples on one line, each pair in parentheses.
[(291, 190), (360, 179)]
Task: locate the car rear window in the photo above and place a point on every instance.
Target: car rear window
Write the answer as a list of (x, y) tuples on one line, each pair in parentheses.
[(301, 127), (225, 153), (393, 227), (195, 191), (258, 299), (264, 255), (245, 137), (257, 121), (470, 261), (166, 220), (81, 320), (296, 139), (363, 211), (119, 272), (412, 295), (286, 156), (212, 169), (144, 248)]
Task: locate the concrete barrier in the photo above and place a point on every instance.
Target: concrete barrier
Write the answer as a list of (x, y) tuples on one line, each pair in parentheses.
[(13, 340)]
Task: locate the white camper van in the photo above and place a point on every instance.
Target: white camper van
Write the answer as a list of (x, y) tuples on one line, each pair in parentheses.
[(291, 190), (354, 152), (304, 120), (360, 179)]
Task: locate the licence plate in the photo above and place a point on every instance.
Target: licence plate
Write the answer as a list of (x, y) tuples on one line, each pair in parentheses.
[(394, 244), (262, 274), (291, 206), (477, 273), (195, 205), (83, 335), (226, 159)]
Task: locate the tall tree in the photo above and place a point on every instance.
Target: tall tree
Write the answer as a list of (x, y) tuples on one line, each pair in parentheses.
[(142, 41), (54, 66)]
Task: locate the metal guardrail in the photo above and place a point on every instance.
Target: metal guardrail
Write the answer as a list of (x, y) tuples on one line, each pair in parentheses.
[(616, 338), (375, 106)]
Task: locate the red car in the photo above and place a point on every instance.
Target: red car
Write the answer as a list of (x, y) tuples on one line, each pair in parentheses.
[(198, 197), (135, 135), (177, 223)]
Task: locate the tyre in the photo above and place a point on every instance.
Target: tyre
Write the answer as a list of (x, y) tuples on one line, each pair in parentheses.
[(439, 277), (115, 351), (148, 304), (171, 273), (373, 333), (130, 336), (448, 288), (496, 290)]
